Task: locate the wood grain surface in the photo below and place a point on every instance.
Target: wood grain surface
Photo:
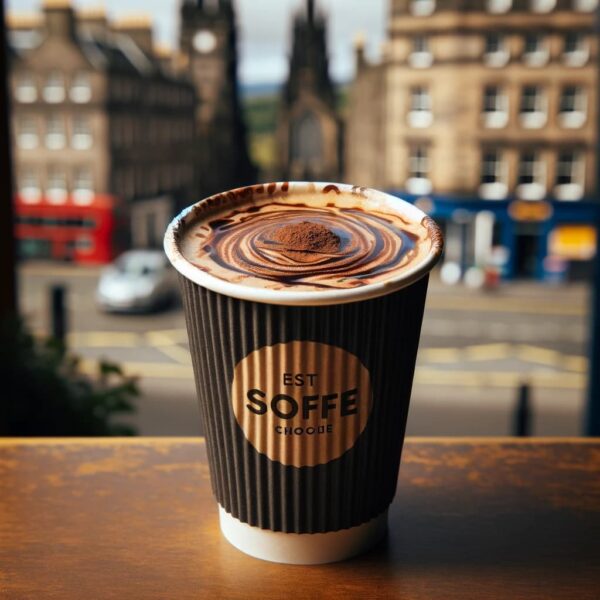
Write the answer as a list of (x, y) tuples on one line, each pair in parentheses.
[(472, 518)]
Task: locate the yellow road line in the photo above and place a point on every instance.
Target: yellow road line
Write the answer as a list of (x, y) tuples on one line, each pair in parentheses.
[(487, 352), (511, 379), (542, 356), (440, 355), (103, 339), (423, 376), (500, 304), (177, 353), (145, 369), (58, 272)]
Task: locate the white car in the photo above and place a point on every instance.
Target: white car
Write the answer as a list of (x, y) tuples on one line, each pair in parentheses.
[(137, 281)]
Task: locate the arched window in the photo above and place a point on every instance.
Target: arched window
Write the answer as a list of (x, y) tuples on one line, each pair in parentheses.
[(307, 139)]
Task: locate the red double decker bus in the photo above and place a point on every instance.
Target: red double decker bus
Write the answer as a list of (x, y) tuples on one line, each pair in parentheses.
[(83, 232)]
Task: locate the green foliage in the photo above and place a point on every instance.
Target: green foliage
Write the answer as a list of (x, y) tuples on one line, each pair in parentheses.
[(44, 393), (261, 114)]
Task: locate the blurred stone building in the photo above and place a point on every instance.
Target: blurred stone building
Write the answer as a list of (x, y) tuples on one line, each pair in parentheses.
[(208, 56), (309, 131), (103, 134), (113, 135), (486, 106)]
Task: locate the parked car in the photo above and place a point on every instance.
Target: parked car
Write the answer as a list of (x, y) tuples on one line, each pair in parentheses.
[(139, 280)]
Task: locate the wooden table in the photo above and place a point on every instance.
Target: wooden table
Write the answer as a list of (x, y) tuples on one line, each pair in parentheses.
[(473, 518)]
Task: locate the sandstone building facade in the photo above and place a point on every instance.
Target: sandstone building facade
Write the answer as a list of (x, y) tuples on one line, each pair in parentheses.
[(486, 105)]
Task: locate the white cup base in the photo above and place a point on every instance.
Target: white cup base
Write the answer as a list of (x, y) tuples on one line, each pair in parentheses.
[(302, 548)]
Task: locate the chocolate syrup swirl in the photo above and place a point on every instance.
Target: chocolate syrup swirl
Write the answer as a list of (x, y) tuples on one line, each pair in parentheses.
[(294, 244)]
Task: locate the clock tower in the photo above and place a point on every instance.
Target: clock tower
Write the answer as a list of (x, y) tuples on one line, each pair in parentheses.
[(208, 46)]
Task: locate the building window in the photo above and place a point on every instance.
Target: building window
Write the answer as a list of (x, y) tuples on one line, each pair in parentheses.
[(422, 8), (56, 188), (542, 6), (55, 132), (29, 186), (25, 88), (570, 175), (418, 171), (83, 185), (531, 179), (576, 49), (82, 133), (495, 52), (573, 107), (495, 107), (499, 6), (533, 107), (54, 88), (585, 5), (27, 132), (420, 57), (493, 176), (81, 88), (535, 52), (420, 108)]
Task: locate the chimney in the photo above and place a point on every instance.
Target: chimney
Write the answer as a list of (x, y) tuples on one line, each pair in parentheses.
[(60, 18), (139, 28), (93, 21)]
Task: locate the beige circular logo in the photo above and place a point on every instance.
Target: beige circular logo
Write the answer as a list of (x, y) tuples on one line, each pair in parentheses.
[(301, 403)]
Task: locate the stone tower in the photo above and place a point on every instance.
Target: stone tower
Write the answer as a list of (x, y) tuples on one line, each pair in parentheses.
[(208, 46), (309, 130)]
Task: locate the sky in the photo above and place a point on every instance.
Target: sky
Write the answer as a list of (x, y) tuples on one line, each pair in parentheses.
[(264, 27)]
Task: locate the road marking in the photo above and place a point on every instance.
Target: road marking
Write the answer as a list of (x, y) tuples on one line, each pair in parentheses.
[(501, 304), (103, 339), (60, 272), (144, 370), (510, 379), (177, 353), (542, 356), (482, 352), (440, 355), (423, 376)]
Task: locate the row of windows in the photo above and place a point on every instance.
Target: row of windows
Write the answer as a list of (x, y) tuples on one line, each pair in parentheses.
[(55, 87), (533, 108), (531, 181), (535, 52), (424, 8), (56, 184), (56, 131)]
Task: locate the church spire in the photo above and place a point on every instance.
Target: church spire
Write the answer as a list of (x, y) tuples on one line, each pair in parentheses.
[(310, 11)]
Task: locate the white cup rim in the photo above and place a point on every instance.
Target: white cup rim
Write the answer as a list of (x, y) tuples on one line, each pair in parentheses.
[(405, 278)]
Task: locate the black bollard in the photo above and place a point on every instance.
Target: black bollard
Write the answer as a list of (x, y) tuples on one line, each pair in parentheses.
[(58, 313), (522, 418)]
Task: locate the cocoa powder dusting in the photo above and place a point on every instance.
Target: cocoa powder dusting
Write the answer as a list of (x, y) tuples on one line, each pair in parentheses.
[(306, 236)]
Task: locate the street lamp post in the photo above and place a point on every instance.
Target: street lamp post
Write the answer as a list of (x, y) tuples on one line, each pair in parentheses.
[(592, 424)]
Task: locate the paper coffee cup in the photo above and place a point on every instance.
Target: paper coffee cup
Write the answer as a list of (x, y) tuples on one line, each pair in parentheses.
[(304, 394)]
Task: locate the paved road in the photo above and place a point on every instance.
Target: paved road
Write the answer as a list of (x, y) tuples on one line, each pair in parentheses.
[(476, 348)]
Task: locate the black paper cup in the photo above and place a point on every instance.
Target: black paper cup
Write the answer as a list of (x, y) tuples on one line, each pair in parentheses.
[(304, 394)]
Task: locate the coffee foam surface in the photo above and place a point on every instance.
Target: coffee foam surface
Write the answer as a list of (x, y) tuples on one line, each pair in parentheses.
[(269, 237)]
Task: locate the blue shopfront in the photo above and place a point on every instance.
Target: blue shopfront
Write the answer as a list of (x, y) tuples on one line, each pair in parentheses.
[(545, 240)]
